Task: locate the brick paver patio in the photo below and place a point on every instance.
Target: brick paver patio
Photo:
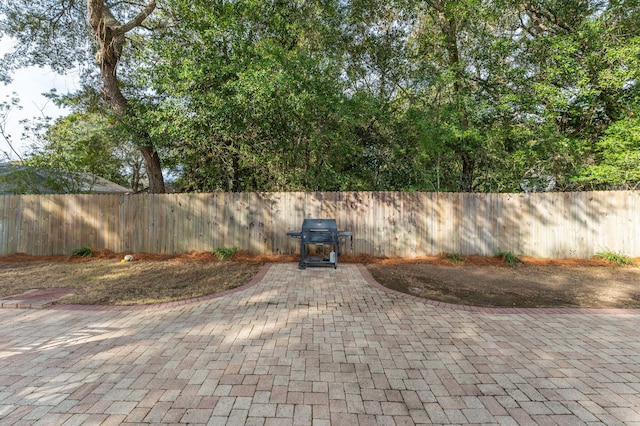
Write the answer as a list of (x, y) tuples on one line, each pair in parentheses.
[(319, 346)]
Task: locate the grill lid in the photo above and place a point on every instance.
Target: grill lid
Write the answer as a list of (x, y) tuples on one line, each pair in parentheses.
[(319, 225)]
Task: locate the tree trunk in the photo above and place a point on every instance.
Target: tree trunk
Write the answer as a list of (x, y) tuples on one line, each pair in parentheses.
[(449, 28), (110, 35), (154, 170), (468, 165), (135, 179)]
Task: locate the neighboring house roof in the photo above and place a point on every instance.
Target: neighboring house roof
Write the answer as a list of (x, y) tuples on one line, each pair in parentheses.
[(19, 179)]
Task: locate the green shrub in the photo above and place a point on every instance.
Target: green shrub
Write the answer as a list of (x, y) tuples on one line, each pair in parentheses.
[(509, 258), (453, 258), (83, 251), (225, 253), (616, 258)]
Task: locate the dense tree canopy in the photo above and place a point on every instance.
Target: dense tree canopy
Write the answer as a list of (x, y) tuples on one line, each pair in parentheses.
[(433, 95)]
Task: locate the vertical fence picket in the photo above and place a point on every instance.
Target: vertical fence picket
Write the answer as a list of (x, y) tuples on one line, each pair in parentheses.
[(383, 223)]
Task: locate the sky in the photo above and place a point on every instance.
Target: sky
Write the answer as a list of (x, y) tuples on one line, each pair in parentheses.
[(29, 84)]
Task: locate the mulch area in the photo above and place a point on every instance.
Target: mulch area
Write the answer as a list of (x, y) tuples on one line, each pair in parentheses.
[(454, 279), (245, 256)]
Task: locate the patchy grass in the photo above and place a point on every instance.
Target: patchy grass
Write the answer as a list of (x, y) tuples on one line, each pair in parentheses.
[(82, 252), (509, 258), (454, 258), (616, 258), (225, 253)]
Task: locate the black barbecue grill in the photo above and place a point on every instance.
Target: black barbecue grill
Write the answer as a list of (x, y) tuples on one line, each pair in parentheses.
[(319, 232)]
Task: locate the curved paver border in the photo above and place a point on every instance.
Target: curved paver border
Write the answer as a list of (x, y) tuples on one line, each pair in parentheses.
[(366, 275), (608, 311), (317, 347), (254, 281)]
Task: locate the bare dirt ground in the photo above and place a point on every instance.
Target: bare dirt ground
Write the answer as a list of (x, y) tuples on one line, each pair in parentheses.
[(104, 280), (478, 281), (525, 286)]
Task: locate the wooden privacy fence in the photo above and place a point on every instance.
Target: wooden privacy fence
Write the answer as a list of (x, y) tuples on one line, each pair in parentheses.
[(555, 225)]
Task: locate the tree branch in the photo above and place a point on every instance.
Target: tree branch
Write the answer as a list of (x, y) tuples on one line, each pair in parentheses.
[(137, 21), (538, 12)]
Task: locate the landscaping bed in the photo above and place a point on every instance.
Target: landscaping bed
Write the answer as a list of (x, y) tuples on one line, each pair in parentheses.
[(573, 284), (104, 279)]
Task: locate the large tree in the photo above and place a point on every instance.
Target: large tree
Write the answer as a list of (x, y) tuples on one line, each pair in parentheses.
[(250, 97), (110, 35), (64, 35), (445, 95)]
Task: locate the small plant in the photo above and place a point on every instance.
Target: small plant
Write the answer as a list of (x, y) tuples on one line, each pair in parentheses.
[(454, 258), (616, 258), (509, 258), (225, 253), (83, 251)]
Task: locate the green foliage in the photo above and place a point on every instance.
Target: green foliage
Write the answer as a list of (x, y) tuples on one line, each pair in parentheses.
[(258, 110), (407, 95), (83, 252), (225, 253), (82, 143), (46, 32), (65, 37), (616, 258), (509, 258), (454, 258), (402, 95), (617, 158)]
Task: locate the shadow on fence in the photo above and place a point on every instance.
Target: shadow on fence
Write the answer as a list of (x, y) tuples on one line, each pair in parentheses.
[(390, 224)]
